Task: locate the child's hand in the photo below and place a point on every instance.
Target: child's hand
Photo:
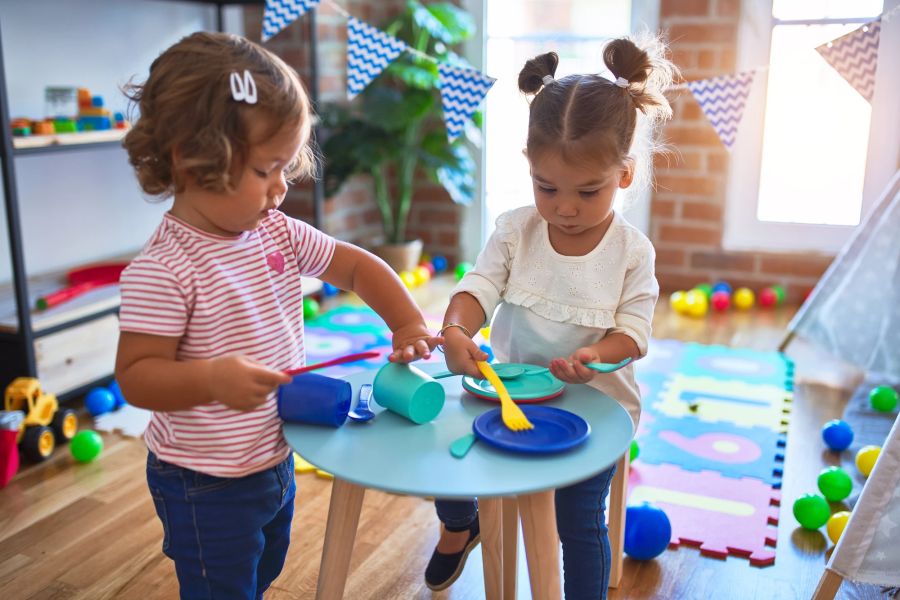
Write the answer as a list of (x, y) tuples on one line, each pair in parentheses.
[(572, 369), (413, 342), (241, 383), (461, 353)]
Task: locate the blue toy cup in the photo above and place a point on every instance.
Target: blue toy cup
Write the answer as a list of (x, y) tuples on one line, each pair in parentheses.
[(315, 400)]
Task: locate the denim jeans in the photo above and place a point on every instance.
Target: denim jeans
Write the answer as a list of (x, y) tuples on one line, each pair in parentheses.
[(227, 536), (581, 523)]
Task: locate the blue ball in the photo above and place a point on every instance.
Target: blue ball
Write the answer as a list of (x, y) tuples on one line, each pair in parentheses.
[(439, 263), (99, 401), (329, 290), (721, 286), (487, 350), (837, 434), (647, 531), (117, 394)]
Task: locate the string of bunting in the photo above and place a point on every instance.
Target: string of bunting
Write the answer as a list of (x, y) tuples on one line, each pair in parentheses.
[(370, 51)]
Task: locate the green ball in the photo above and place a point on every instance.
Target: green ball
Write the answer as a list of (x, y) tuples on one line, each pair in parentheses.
[(310, 309), (706, 289), (86, 445), (883, 398), (779, 293), (634, 451), (461, 269), (835, 484), (811, 511)]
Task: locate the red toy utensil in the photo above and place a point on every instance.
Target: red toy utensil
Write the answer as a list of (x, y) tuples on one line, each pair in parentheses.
[(336, 361), (83, 280)]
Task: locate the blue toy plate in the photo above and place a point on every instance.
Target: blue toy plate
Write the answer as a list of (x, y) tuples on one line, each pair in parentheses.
[(555, 430)]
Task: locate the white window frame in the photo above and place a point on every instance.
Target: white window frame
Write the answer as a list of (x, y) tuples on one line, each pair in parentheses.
[(743, 230)]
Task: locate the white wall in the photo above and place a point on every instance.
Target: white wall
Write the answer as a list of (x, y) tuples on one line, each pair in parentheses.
[(84, 205)]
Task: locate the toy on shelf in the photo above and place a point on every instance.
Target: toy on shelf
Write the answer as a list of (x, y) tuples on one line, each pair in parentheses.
[(837, 435), (82, 280), (70, 110), (883, 398), (647, 531), (866, 457), (45, 424), (86, 446)]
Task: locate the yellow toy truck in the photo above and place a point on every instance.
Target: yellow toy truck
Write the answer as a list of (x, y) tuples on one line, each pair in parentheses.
[(45, 424)]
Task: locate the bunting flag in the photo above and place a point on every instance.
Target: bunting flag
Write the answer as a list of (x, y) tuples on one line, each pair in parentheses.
[(722, 100), (281, 13), (462, 90), (369, 52), (855, 57)]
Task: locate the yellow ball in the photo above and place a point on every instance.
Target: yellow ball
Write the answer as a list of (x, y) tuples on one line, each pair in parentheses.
[(486, 333), (743, 298), (421, 275), (678, 301), (866, 457), (836, 524), (697, 304), (408, 279)]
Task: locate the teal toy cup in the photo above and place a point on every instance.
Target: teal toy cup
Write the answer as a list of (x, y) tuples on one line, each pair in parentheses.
[(315, 400), (409, 392)]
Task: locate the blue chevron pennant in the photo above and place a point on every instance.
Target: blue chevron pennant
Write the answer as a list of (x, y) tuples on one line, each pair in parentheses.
[(855, 57), (369, 52), (722, 100), (462, 90), (281, 13)]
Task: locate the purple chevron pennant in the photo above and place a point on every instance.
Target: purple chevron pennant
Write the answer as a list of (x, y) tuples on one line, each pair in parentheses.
[(369, 52), (855, 57), (462, 90), (281, 13), (722, 100)]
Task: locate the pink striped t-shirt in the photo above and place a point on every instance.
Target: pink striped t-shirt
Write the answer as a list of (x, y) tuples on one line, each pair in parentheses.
[(224, 295)]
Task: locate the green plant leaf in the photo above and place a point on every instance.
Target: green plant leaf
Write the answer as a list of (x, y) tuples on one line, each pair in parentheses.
[(457, 23), (425, 20), (396, 109), (417, 75)]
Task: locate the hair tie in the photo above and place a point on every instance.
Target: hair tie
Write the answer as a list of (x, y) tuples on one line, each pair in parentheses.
[(548, 79), (621, 82), (243, 89)]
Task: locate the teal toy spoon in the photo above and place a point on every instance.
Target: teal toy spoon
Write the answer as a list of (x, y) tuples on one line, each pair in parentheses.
[(608, 367), (460, 447)]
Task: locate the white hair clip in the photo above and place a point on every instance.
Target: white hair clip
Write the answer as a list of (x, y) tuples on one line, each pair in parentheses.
[(621, 82), (243, 89), (548, 79)]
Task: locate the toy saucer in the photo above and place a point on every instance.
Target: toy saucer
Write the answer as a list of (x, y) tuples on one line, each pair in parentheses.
[(555, 430), (534, 384)]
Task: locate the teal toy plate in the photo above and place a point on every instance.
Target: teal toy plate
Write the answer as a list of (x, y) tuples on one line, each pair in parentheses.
[(534, 384)]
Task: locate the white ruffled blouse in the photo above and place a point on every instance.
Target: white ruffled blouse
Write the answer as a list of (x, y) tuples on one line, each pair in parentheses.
[(548, 305)]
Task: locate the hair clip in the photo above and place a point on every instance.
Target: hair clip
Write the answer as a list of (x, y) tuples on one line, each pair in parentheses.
[(548, 79), (243, 89), (621, 82)]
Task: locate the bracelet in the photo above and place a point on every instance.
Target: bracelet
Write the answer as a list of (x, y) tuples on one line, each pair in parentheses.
[(448, 326)]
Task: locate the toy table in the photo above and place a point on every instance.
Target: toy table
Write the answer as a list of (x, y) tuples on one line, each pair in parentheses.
[(393, 454)]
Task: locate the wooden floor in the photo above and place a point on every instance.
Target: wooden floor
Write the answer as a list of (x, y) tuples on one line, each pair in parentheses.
[(90, 531)]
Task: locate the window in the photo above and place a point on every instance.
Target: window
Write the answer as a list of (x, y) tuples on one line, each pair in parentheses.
[(802, 169)]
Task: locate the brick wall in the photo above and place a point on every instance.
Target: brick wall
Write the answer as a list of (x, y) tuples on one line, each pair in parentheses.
[(351, 215), (688, 205)]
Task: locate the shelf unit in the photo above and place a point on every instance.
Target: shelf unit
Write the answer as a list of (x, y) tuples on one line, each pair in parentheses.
[(20, 334)]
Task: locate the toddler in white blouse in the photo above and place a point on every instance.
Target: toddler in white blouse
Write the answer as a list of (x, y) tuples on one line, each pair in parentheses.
[(565, 282)]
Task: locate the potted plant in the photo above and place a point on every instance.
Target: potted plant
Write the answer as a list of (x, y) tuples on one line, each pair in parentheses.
[(395, 127)]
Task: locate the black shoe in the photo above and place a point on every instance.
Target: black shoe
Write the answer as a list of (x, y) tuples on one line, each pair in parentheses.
[(444, 569)]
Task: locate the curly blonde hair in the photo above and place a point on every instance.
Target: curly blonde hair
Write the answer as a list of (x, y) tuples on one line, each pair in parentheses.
[(187, 111)]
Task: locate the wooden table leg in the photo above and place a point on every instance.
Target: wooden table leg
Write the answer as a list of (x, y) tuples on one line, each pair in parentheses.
[(510, 546), (617, 493), (541, 544), (490, 518), (828, 587), (340, 531)]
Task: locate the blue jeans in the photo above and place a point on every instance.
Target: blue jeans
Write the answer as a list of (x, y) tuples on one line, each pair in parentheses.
[(227, 536), (581, 523)]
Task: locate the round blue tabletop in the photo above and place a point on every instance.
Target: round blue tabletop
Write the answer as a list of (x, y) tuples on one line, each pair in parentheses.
[(393, 454)]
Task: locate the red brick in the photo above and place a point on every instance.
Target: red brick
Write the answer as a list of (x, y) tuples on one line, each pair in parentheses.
[(723, 261), (707, 33), (677, 160), (727, 8), (683, 8), (701, 211), (688, 184), (448, 238), (707, 59), (690, 234), (717, 162), (684, 58), (701, 134), (727, 60), (673, 280), (670, 257), (690, 111), (662, 208), (794, 264)]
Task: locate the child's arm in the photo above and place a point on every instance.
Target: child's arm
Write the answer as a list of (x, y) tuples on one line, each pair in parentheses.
[(151, 378), (463, 318), (353, 268)]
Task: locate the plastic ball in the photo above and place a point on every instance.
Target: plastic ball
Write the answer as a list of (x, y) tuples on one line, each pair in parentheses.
[(428, 266), (835, 484), (779, 291), (883, 398), (634, 451), (721, 301), (439, 263), (705, 288), (329, 290), (487, 350), (767, 297), (647, 531), (86, 445), (743, 298), (311, 309), (721, 286), (99, 401), (866, 457), (408, 279), (678, 301), (837, 434), (117, 394), (486, 332), (424, 258), (697, 304), (811, 511), (421, 275), (461, 270), (836, 524)]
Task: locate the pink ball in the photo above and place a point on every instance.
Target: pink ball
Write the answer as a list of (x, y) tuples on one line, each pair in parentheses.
[(721, 301), (428, 266), (767, 297)]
